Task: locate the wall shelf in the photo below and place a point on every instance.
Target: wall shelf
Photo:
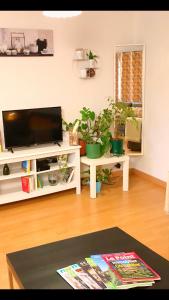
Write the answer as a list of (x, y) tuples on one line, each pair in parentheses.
[(85, 66)]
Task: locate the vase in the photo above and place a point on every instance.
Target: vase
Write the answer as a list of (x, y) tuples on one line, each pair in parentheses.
[(91, 63), (73, 138), (53, 178), (6, 170), (117, 147), (93, 150), (98, 186)]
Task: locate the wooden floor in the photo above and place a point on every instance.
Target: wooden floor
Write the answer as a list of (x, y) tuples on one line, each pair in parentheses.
[(140, 212)]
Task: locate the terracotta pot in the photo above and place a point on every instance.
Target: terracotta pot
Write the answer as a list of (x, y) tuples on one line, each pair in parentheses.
[(83, 147)]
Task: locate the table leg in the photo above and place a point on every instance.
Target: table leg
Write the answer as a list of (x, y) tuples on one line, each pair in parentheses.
[(126, 174), (10, 279), (93, 181)]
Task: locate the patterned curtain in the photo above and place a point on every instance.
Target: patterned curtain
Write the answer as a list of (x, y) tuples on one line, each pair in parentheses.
[(128, 86)]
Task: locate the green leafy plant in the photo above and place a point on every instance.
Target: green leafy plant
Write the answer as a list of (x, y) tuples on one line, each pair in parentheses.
[(91, 55), (120, 111), (68, 125), (96, 128), (102, 175)]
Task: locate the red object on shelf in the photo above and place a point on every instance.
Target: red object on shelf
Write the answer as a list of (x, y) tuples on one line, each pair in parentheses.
[(83, 147), (26, 184)]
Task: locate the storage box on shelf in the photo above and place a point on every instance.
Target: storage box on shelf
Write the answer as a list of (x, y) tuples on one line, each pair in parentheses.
[(37, 179)]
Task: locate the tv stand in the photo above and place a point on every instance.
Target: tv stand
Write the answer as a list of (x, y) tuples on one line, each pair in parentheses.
[(11, 185)]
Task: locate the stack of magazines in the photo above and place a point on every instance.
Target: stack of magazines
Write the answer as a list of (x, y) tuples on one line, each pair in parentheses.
[(110, 271)]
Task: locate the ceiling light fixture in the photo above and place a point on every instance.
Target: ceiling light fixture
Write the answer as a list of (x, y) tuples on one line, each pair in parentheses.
[(61, 14)]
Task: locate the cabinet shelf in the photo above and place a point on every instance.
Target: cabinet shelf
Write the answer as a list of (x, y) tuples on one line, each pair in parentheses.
[(16, 175), (55, 168), (11, 185)]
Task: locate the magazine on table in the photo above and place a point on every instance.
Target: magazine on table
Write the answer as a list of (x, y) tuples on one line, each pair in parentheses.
[(88, 269), (110, 278), (89, 280), (72, 278), (130, 267)]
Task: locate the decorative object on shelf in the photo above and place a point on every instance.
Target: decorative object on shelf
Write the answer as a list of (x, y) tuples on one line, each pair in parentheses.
[(61, 14), (72, 129), (21, 42), (6, 170), (79, 54), (91, 72), (62, 160), (53, 178), (92, 59), (83, 73), (73, 135)]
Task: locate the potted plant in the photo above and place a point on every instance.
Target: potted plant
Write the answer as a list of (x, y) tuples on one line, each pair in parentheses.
[(94, 130), (74, 137), (92, 58), (120, 112), (71, 127), (102, 176)]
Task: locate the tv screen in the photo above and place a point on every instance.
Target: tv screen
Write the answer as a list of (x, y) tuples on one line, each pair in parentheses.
[(32, 126)]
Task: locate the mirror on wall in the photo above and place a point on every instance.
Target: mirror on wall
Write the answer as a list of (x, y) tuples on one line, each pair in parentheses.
[(129, 88)]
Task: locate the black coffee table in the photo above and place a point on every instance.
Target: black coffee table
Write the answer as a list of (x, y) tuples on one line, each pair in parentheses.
[(35, 268)]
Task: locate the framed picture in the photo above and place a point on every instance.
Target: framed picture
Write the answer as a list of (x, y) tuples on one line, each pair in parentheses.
[(17, 40), (26, 42)]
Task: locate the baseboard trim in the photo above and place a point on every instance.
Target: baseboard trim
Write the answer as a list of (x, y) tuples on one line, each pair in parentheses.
[(148, 177)]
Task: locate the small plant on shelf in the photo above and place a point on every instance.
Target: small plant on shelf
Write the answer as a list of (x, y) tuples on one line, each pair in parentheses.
[(91, 55)]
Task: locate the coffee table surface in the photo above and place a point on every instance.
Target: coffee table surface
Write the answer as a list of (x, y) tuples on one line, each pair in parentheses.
[(35, 268)]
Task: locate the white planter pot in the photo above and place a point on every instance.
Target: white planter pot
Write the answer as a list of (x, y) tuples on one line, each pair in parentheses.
[(91, 63), (83, 73), (79, 54)]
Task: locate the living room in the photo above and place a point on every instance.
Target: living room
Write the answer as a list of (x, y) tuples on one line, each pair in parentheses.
[(50, 81)]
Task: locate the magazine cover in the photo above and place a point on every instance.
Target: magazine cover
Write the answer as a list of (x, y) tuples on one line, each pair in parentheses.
[(130, 267), (72, 278), (102, 271), (111, 280), (85, 277), (91, 271)]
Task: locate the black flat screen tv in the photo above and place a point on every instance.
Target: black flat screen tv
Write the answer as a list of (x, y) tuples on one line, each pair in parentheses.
[(32, 126)]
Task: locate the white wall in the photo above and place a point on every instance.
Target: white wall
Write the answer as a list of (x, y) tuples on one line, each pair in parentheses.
[(152, 29), (41, 81), (27, 82), (50, 81)]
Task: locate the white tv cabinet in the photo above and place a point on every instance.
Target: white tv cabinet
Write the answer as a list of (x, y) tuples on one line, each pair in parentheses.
[(11, 186)]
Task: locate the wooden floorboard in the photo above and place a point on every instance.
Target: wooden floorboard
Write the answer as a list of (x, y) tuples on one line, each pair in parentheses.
[(140, 212)]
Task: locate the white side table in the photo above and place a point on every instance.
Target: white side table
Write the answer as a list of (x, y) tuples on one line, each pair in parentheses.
[(93, 163)]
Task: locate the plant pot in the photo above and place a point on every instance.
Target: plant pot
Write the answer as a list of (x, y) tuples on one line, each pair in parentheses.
[(98, 186), (117, 146), (73, 138), (91, 63), (83, 147), (93, 150)]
